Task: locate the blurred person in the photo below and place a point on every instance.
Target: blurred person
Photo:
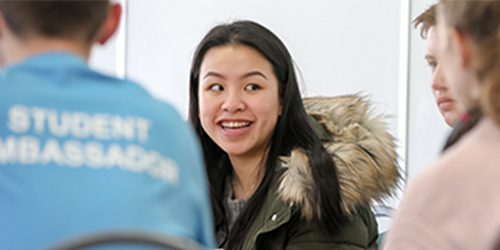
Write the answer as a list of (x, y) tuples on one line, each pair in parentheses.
[(454, 114), (447, 104), (453, 203), (273, 184), (82, 152)]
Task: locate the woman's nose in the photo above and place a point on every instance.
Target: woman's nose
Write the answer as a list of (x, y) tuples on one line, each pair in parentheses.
[(233, 103)]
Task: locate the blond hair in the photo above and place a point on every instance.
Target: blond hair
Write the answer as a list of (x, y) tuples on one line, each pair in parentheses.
[(426, 20), (480, 20)]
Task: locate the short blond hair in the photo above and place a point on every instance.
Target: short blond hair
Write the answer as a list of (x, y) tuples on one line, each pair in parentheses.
[(426, 20)]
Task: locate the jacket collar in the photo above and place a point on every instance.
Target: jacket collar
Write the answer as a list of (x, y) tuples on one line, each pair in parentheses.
[(360, 145)]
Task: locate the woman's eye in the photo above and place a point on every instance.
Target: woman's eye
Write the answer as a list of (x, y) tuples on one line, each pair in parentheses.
[(252, 87), (216, 87)]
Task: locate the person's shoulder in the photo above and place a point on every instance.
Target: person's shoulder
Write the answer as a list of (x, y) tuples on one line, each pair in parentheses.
[(456, 171), (125, 87), (467, 158), (164, 119), (136, 94), (454, 159), (438, 174), (455, 187)]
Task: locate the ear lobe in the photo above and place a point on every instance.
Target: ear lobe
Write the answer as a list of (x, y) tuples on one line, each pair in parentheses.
[(111, 23)]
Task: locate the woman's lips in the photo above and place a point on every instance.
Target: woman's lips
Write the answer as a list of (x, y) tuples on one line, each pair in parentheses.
[(445, 103)]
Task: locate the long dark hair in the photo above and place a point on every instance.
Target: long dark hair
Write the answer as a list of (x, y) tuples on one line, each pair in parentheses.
[(292, 131)]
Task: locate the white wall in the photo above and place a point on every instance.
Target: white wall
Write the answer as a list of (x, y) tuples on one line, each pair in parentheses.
[(340, 47), (327, 39), (103, 57)]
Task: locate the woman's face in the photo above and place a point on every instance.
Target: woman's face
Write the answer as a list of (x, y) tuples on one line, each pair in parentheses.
[(447, 104), (238, 99)]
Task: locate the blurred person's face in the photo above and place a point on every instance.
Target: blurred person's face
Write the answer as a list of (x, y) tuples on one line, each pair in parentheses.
[(448, 106), (238, 100), (455, 53)]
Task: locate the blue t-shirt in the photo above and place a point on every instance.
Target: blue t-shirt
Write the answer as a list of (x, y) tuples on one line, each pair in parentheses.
[(81, 152)]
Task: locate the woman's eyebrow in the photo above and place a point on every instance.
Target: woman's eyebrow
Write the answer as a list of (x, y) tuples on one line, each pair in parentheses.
[(253, 73), (249, 74), (215, 74)]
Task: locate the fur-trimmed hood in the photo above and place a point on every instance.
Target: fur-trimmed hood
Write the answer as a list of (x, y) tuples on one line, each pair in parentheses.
[(363, 151)]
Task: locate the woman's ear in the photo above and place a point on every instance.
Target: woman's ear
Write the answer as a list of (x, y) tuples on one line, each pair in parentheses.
[(110, 25)]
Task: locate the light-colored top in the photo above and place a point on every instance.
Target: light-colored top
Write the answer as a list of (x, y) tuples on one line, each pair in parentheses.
[(455, 202)]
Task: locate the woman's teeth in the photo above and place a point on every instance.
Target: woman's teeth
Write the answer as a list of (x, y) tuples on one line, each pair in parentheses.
[(235, 125)]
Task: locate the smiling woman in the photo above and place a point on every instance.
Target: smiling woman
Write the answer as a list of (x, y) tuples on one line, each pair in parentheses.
[(273, 185), (239, 102)]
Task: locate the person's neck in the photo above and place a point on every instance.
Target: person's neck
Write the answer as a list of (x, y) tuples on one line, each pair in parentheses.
[(247, 175), (20, 50)]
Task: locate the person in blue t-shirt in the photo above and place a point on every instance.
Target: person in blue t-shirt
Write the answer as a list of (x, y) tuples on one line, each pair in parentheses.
[(82, 152)]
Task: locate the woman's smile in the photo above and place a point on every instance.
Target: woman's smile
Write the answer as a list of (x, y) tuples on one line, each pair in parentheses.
[(235, 128)]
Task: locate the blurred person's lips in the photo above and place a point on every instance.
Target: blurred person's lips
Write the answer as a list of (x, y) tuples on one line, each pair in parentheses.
[(445, 103)]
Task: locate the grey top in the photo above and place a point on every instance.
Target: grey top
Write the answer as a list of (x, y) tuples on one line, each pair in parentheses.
[(232, 207)]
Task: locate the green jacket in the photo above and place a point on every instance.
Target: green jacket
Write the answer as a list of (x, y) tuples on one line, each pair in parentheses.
[(366, 162), (279, 226)]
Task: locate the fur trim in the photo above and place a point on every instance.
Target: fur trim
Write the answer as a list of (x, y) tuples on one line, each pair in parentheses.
[(363, 150), (296, 183)]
